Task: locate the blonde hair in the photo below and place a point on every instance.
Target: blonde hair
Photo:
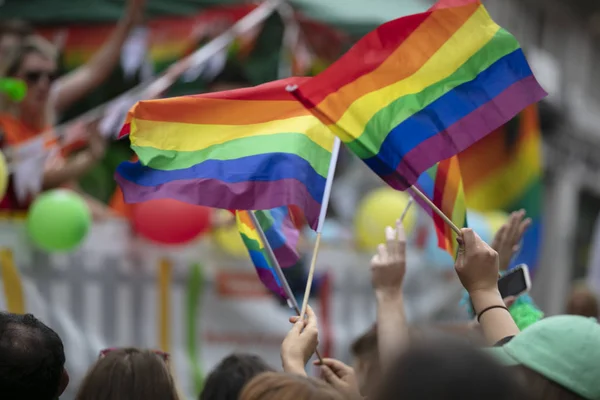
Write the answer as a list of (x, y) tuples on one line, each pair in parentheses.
[(282, 386), (10, 64)]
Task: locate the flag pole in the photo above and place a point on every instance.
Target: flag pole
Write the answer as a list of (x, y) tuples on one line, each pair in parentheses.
[(278, 271), (326, 195), (435, 209), (403, 215)]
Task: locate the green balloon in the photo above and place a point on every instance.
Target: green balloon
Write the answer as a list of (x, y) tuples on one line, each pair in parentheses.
[(15, 89), (58, 220)]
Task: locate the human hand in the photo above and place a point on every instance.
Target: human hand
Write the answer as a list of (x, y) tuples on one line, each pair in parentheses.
[(300, 343), (339, 375), (476, 263), (508, 238), (388, 265)]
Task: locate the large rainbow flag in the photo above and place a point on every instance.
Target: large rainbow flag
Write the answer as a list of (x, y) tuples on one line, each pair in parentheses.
[(443, 185), (246, 149), (282, 237), (422, 88), (504, 172)]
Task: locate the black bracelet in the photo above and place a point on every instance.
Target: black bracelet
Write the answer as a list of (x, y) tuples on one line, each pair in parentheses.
[(488, 309)]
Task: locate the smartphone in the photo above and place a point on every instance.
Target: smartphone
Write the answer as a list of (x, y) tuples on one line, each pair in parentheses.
[(516, 282)]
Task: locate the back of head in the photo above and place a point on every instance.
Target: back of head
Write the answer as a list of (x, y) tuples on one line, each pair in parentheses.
[(32, 358), (227, 379), (448, 370), (16, 27), (128, 374), (583, 301), (282, 386)]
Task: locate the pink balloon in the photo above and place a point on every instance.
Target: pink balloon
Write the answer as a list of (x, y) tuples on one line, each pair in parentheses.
[(168, 221)]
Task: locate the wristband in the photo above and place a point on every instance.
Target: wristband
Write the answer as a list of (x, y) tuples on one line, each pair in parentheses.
[(488, 309)]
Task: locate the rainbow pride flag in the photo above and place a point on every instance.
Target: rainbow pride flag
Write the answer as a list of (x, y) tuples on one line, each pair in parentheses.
[(422, 88), (504, 172), (443, 185), (248, 149), (281, 235)]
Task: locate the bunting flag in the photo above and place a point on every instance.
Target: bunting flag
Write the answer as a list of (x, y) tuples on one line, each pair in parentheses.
[(504, 172), (247, 149), (443, 185), (422, 88), (282, 237)]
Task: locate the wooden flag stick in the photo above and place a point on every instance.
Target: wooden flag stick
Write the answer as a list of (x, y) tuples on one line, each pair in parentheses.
[(410, 201), (435, 209), (278, 271)]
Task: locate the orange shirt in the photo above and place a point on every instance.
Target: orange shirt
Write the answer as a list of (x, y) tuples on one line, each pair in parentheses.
[(15, 132)]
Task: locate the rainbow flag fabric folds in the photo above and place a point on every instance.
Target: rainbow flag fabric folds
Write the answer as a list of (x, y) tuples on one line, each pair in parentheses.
[(422, 88), (443, 184), (504, 172), (246, 149), (283, 238)]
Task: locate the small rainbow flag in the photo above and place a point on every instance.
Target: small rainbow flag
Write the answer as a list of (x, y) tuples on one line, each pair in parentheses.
[(248, 149), (281, 235), (504, 172), (443, 185), (422, 88)]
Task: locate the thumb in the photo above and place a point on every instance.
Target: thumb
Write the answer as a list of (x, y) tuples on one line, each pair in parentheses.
[(330, 376)]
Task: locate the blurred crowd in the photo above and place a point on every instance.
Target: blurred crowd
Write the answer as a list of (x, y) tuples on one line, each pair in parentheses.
[(488, 358)]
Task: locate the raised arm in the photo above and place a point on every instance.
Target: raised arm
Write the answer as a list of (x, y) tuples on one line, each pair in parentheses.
[(477, 268), (388, 268), (76, 84)]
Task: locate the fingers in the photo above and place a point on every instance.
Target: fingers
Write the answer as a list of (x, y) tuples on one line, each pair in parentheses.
[(330, 376), (391, 241), (382, 253), (311, 321), (469, 238), (523, 227), (514, 223), (401, 233), (338, 367), (508, 301), (294, 319)]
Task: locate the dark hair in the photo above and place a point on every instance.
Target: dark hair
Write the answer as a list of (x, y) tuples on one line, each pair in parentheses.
[(16, 27), (128, 374), (448, 370), (366, 344), (227, 379), (32, 358), (541, 388)]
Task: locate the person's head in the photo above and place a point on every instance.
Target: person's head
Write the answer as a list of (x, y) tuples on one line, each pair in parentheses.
[(558, 356), (366, 361), (129, 374), (34, 62), (32, 359), (12, 33), (448, 370), (583, 301), (282, 386), (227, 379)]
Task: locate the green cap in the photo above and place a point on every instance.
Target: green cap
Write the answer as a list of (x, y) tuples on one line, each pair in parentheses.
[(565, 349)]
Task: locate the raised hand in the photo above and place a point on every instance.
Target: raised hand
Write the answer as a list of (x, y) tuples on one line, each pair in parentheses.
[(388, 265), (508, 238), (339, 375), (300, 343), (476, 263)]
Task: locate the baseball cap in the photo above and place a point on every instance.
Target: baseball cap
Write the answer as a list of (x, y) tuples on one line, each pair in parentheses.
[(564, 349)]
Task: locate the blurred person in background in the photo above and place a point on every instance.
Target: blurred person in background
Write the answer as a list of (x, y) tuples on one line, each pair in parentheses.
[(32, 359), (129, 374), (365, 354), (583, 301), (34, 61), (12, 33), (228, 378), (285, 386)]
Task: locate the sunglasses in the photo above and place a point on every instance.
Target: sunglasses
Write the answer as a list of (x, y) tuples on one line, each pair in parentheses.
[(161, 354), (33, 77)]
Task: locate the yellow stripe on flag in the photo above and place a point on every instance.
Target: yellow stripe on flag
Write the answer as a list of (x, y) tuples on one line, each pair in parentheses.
[(13, 285), (165, 271)]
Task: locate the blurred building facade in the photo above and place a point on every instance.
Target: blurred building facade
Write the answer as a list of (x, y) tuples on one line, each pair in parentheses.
[(562, 39)]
